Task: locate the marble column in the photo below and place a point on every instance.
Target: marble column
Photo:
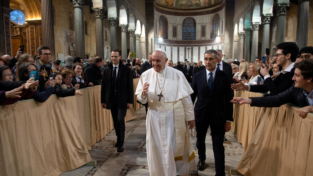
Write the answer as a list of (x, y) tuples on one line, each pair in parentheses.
[(303, 23), (247, 45), (240, 52), (255, 41), (138, 46), (99, 32), (79, 28), (124, 41), (132, 41), (47, 27), (113, 25), (281, 22), (266, 33)]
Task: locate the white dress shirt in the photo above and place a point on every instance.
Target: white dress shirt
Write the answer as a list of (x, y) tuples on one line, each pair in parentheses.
[(287, 70)]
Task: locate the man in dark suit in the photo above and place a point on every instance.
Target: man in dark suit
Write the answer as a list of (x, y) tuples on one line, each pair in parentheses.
[(199, 67), (300, 94), (223, 66), (147, 65), (93, 72), (286, 55), (117, 94), (180, 67), (213, 108), (188, 71)]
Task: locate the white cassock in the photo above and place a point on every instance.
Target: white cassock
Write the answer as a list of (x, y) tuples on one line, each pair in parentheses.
[(169, 149)]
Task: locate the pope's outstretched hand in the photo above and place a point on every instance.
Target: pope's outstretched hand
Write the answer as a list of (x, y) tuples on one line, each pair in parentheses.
[(145, 89)]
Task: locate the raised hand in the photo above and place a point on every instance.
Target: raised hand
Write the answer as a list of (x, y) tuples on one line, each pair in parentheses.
[(15, 93), (78, 93), (145, 89), (241, 101), (239, 86)]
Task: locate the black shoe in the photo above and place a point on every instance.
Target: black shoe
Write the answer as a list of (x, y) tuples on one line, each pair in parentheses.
[(200, 165), (120, 149)]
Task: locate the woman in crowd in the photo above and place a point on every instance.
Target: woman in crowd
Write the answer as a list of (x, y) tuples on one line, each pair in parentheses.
[(79, 76), (61, 92), (3, 61), (24, 58), (6, 74), (67, 76), (255, 78), (243, 72), (235, 70), (24, 74)]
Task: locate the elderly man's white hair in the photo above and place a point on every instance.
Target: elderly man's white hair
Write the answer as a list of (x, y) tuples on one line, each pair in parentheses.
[(161, 50)]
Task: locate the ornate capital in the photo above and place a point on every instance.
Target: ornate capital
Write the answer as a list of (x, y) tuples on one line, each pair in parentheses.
[(131, 33), (267, 19), (282, 8), (113, 22), (255, 26), (241, 34), (99, 13), (78, 3), (124, 27), (301, 1), (137, 36)]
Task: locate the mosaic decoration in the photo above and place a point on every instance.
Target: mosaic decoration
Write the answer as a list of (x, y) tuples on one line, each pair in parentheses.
[(188, 4)]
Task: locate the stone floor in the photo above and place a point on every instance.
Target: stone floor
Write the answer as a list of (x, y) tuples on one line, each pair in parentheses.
[(133, 162)]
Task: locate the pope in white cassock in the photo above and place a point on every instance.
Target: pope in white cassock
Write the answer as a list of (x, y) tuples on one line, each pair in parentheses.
[(171, 111)]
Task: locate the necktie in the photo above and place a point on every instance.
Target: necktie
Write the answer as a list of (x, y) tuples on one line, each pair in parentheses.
[(210, 82), (218, 66), (114, 76)]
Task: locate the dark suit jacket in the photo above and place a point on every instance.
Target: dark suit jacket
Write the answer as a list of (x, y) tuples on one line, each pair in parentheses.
[(292, 95), (198, 69), (214, 103), (145, 66), (93, 74), (228, 70), (280, 84), (125, 90), (188, 74)]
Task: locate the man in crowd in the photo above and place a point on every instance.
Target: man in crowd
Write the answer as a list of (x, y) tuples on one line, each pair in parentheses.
[(223, 66), (180, 67), (213, 108), (300, 94), (93, 72), (7, 58), (285, 57), (117, 94), (257, 60), (147, 65), (167, 120), (78, 60), (306, 53), (198, 68), (170, 63), (188, 71)]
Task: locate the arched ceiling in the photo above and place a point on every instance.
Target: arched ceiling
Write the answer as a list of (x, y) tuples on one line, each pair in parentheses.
[(132, 23), (138, 28), (123, 18), (256, 17), (268, 7), (30, 8)]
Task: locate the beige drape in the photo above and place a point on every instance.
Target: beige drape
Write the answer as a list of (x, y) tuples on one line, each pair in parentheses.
[(46, 139), (277, 141)]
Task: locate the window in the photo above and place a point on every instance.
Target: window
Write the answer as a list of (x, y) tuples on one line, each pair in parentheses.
[(189, 29), (18, 17), (174, 31), (203, 31), (163, 27), (215, 26)]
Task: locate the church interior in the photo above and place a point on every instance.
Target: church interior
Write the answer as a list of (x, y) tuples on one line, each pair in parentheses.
[(78, 139)]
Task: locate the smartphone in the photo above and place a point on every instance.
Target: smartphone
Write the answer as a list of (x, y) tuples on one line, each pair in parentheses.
[(22, 48), (35, 75), (267, 51), (264, 59)]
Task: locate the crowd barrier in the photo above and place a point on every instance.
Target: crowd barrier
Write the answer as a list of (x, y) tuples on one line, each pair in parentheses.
[(46, 139), (277, 141)]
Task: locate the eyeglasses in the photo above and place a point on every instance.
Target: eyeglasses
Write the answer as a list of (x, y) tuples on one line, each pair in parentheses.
[(47, 54), (8, 75), (278, 54), (305, 56), (69, 78)]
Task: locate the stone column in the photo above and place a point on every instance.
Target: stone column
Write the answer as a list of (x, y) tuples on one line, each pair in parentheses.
[(113, 25), (47, 26), (124, 41), (266, 32), (255, 41), (138, 46), (132, 41), (247, 45), (303, 23), (281, 22), (79, 28), (99, 32), (240, 52)]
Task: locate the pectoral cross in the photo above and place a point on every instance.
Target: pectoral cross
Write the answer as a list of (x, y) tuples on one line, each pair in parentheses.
[(160, 96)]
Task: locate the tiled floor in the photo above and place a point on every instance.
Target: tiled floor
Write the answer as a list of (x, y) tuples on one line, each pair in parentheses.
[(133, 162)]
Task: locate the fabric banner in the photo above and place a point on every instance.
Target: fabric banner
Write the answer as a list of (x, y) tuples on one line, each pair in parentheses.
[(277, 141), (46, 139)]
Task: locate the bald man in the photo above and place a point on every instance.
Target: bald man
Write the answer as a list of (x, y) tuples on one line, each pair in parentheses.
[(170, 113), (170, 63)]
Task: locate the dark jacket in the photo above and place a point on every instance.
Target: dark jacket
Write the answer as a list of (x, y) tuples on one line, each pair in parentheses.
[(197, 69), (93, 74), (145, 66), (63, 92), (188, 73), (280, 84), (180, 68), (214, 103), (12, 62), (10, 85), (292, 95), (81, 85), (125, 90), (42, 96), (228, 70)]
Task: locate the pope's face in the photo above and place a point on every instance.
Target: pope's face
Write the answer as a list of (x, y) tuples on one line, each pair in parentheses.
[(158, 61)]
